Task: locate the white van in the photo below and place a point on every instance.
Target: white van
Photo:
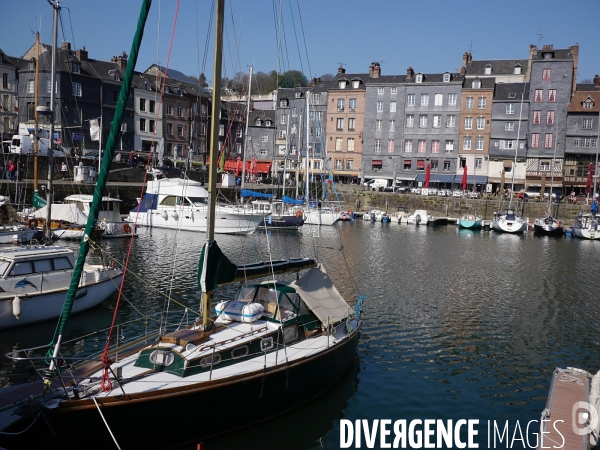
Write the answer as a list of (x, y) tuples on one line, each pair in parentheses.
[(23, 144), (380, 183)]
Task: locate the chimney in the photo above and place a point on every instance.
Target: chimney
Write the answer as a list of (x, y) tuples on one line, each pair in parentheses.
[(409, 73), (467, 58), (575, 52), (341, 69), (548, 47), (121, 60), (82, 55), (66, 45), (371, 70), (376, 70), (597, 81)]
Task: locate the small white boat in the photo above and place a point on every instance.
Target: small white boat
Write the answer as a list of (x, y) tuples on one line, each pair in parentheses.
[(509, 221), (470, 221), (586, 227), (35, 280), (321, 216), (401, 215), (12, 230), (419, 217), (278, 218), (109, 216)]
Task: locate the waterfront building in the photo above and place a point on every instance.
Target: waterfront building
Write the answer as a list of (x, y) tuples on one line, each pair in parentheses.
[(582, 132), (148, 113), (9, 107), (261, 135)]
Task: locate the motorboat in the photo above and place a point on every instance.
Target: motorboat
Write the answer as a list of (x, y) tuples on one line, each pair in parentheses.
[(34, 281), (419, 217), (278, 217), (109, 216), (586, 227), (548, 226), (67, 221), (509, 221), (470, 221), (401, 215), (177, 203)]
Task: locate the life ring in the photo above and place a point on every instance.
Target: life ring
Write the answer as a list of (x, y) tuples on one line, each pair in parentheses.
[(126, 228), (299, 214), (32, 223)]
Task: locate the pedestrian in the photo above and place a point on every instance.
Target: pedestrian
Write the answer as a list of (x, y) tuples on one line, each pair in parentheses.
[(80, 163), (64, 170), (11, 170), (131, 156)]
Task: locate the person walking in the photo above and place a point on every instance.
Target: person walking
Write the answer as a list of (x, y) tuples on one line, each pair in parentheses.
[(64, 170), (11, 170), (131, 156)]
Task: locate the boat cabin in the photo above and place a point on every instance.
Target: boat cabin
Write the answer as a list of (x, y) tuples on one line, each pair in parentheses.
[(267, 207), (110, 209)]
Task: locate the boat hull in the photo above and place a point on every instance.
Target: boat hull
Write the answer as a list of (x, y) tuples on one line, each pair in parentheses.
[(321, 217), (586, 233), (548, 230), (9, 237), (210, 409), (290, 222), (509, 226), (470, 224)]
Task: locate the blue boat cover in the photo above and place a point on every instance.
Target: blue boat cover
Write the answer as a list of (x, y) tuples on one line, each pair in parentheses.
[(291, 201), (249, 193), (149, 201)]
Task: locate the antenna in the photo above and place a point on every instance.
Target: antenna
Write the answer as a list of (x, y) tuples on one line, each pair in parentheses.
[(341, 64), (471, 47), (540, 37), (381, 61)]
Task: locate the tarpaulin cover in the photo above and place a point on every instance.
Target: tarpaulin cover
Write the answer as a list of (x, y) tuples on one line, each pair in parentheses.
[(291, 201), (249, 193)]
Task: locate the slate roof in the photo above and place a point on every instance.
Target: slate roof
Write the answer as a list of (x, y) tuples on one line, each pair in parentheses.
[(435, 78), (262, 114), (172, 73), (387, 79), (486, 83), (499, 66), (561, 53), (504, 89)]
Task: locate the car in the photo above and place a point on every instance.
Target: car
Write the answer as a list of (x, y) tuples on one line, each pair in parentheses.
[(388, 189), (456, 193), (401, 189), (368, 183)]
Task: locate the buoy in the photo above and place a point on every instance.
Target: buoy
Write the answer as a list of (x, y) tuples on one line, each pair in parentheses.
[(174, 215), (126, 228), (32, 223), (165, 215), (16, 305), (299, 214)]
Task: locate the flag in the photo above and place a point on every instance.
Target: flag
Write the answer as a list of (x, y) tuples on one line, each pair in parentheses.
[(94, 130)]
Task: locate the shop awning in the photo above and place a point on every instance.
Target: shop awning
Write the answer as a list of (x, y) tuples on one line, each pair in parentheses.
[(261, 167), (377, 162), (478, 179), (437, 177)]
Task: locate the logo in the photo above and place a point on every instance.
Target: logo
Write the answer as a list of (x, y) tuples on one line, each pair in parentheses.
[(584, 418), (24, 282)]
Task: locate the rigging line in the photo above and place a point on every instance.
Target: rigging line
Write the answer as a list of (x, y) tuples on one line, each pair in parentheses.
[(208, 34), (296, 36), (236, 38), (278, 40), (304, 38), (287, 57)]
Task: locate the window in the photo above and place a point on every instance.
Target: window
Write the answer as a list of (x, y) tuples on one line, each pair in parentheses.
[(479, 143), (294, 112), (587, 104), (539, 95), (222, 130), (438, 99), (152, 104), (452, 98), (549, 140), (377, 145), (434, 164), (379, 106), (410, 120), (408, 146), (180, 130), (238, 132), (507, 145), (424, 99), (586, 124), (142, 124), (419, 78), (283, 103), (423, 121), (575, 142), (467, 143), (451, 121), (31, 87), (422, 146), (446, 78), (380, 91), (537, 117), (350, 144), (281, 134), (481, 103), (293, 129), (376, 164), (393, 91), (544, 166), (449, 146), (549, 117), (169, 110), (476, 84), (446, 166), (512, 95), (510, 108), (392, 106), (552, 95), (390, 146), (282, 119), (142, 104), (264, 138), (480, 123), (378, 125), (420, 164), (468, 123), (4, 81), (338, 144), (340, 104), (319, 114), (298, 94), (351, 124), (76, 68), (435, 146), (478, 163), (517, 70), (407, 164), (392, 125), (546, 74), (342, 84), (170, 129), (202, 129), (352, 104), (355, 84), (437, 121), (77, 89), (470, 102), (535, 140), (151, 126), (340, 124), (509, 126), (410, 99)]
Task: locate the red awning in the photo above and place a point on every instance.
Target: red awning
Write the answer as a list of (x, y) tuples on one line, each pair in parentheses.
[(377, 162), (407, 161), (420, 164), (261, 167)]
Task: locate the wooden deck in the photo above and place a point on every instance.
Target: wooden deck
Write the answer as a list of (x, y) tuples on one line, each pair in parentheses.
[(567, 388)]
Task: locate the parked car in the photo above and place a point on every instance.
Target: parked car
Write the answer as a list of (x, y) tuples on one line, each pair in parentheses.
[(368, 183), (401, 189), (457, 193)]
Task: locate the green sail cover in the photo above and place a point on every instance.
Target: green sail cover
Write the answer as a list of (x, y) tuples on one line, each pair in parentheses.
[(214, 268), (38, 201)]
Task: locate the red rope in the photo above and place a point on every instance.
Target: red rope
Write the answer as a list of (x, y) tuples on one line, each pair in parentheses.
[(106, 384)]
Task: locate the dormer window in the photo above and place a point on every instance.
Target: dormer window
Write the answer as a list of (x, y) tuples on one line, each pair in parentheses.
[(258, 122), (355, 84), (180, 92), (116, 76), (488, 70), (419, 78), (547, 55), (476, 84), (342, 84), (283, 103), (147, 86), (268, 123), (588, 103), (446, 78), (512, 95), (517, 70), (76, 68), (298, 94)]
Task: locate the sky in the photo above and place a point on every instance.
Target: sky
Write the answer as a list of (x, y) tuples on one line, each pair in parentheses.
[(315, 35)]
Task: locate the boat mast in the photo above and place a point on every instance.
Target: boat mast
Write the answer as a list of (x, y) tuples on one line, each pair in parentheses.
[(307, 137), (54, 4), (514, 168), (299, 153), (214, 152), (596, 166), (551, 179), (246, 132), (287, 149), (37, 96)]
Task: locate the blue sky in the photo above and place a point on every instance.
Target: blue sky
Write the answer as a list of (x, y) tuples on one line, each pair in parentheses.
[(429, 35)]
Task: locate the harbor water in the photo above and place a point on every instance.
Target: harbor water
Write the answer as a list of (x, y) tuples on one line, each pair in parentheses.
[(457, 324)]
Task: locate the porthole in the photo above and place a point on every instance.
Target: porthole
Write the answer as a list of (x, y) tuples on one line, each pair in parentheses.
[(161, 358), (208, 360), (190, 348), (240, 352), (266, 344)]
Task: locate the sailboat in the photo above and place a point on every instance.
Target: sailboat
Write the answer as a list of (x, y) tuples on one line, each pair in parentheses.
[(509, 220), (470, 220), (271, 348), (549, 225)]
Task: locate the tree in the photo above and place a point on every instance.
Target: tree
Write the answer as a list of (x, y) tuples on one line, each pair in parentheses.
[(293, 78), (587, 81), (200, 81), (327, 77)]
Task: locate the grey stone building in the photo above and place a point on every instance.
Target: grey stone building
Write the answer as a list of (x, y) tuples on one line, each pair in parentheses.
[(503, 70), (261, 135), (9, 67), (582, 133), (508, 135)]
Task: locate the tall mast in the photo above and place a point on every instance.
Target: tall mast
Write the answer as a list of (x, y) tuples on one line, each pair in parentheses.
[(56, 8), (214, 151), (512, 185), (596, 166), (287, 148), (307, 137), (246, 132), (37, 96)]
